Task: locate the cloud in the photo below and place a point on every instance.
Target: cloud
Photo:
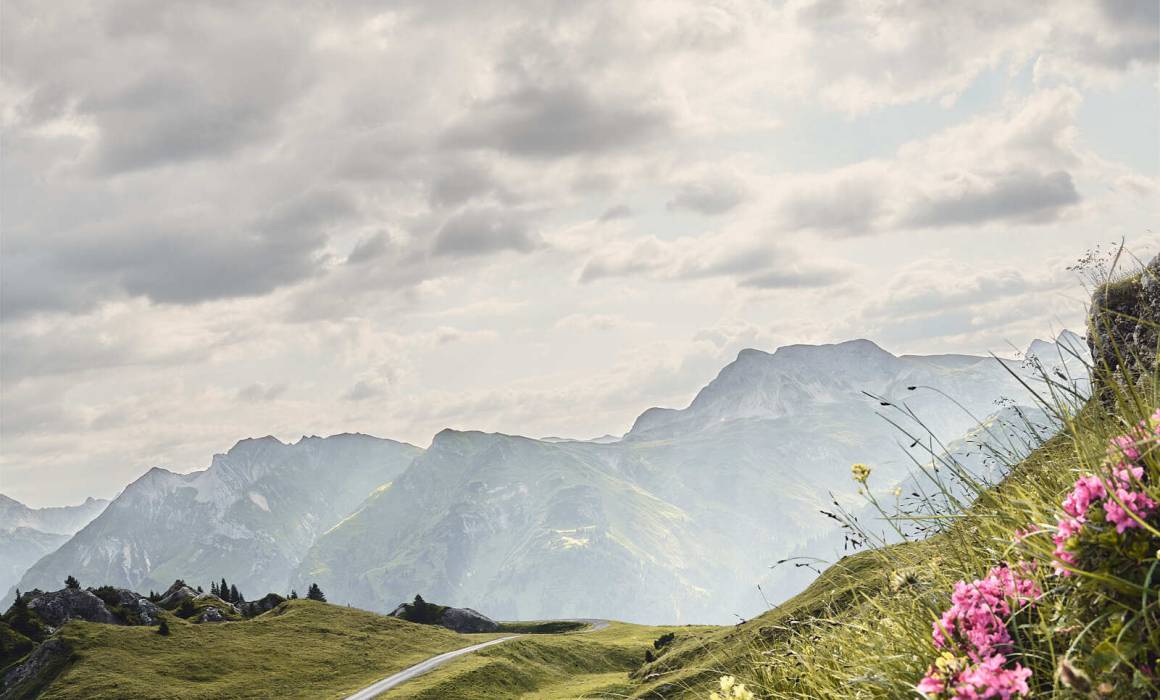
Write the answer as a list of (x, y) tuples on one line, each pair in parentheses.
[(1015, 196), (366, 389), (261, 392), (556, 121), (484, 231), (709, 197)]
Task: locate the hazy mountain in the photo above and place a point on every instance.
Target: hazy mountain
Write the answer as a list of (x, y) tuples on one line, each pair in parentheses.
[(679, 520), (62, 520), (27, 534), (249, 517)]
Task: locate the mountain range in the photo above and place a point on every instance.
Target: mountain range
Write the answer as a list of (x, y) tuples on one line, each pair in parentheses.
[(678, 520)]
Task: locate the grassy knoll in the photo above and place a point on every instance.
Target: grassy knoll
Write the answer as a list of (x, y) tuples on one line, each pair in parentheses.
[(302, 649), (547, 667)]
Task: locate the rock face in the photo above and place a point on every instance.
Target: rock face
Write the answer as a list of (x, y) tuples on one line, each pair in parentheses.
[(211, 614), (39, 662), (1122, 328)]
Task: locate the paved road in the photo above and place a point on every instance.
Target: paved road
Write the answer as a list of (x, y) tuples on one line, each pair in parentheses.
[(435, 662), (419, 669)]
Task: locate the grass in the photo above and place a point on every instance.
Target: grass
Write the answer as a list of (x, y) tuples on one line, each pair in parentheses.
[(862, 630), (542, 626), (301, 649), (577, 665)]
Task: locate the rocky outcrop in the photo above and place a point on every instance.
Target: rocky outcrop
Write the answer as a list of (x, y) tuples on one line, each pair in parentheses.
[(59, 607), (467, 620), (464, 620), (132, 607), (1122, 328), (177, 594), (211, 614)]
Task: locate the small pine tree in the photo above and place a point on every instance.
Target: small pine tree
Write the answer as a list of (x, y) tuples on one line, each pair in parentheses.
[(315, 593), (17, 597), (234, 596), (223, 589), (649, 657), (214, 590), (163, 628), (293, 594), (199, 589), (186, 610), (72, 582)]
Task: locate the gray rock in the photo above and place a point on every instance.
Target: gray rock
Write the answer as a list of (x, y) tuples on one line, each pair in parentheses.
[(177, 594), (134, 602), (467, 620), (59, 607), (211, 614)]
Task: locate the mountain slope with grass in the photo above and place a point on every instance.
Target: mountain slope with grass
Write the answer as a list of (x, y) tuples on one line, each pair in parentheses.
[(1075, 526)]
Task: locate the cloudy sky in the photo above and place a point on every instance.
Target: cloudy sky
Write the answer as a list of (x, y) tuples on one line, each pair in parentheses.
[(236, 219)]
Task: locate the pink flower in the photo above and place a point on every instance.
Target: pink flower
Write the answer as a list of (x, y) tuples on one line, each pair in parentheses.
[(1087, 490), (1068, 528)]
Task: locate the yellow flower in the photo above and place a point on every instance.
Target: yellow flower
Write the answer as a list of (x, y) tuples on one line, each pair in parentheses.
[(860, 472), (732, 690)]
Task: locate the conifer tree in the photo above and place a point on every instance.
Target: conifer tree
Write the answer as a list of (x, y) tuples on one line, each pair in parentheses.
[(163, 628), (315, 593), (223, 589), (293, 594), (235, 597), (72, 582), (214, 590)]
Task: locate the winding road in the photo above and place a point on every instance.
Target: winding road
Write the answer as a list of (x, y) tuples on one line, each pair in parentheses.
[(373, 691)]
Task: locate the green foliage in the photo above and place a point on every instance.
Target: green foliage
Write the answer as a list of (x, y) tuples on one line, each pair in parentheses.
[(73, 583), (163, 628), (315, 593), (187, 609)]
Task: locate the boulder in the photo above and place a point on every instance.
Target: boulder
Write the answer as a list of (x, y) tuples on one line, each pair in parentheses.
[(211, 614), (136, 608), (59, 607), (1122, 328)]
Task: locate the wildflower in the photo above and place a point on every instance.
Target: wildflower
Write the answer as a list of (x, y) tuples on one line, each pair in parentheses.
[(860, 472), (732, 690), (897, 491)]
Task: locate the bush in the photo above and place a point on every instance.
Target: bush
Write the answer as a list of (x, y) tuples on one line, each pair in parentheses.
[(163, 628)]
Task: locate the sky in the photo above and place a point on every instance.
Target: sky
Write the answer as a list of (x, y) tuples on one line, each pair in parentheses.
[(223, 220)]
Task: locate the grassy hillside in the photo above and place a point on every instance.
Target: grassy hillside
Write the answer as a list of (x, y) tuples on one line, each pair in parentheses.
[(581, 664), (863, 629), (302, 649)]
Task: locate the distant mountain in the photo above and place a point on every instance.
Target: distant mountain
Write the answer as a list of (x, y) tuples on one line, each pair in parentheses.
[(680, 519), (62, 520), (249, 517), (27, 534)]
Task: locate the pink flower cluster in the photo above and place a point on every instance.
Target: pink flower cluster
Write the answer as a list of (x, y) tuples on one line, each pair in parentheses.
[(1116, 492), (982, 681), (974, 636)]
